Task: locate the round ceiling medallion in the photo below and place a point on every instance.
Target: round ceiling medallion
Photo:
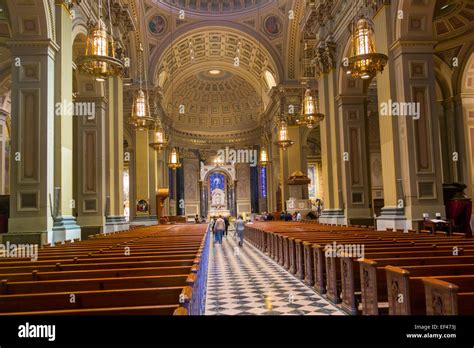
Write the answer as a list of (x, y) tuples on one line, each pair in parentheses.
[(273, 25), (157, 25)]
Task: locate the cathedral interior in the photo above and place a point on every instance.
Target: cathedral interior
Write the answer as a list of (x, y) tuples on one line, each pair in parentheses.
[(121, 116)]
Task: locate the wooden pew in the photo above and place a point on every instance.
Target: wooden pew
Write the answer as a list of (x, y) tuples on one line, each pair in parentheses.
[(373, 284), (90, 299), (449, 295), (406, 289), (163, 274)]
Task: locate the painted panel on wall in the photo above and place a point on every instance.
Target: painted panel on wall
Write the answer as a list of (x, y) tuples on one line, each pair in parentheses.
[(217, 181)]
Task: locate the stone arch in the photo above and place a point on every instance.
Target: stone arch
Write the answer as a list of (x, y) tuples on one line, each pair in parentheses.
[(187, 30), (444, 78), (32, 20), (417, 22), (344, 83)]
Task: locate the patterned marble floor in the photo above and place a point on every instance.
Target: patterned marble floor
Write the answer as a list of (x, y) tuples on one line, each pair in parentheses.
[(244, 281)]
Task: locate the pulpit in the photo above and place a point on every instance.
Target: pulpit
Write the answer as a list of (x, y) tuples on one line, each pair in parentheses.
[(298, 187)]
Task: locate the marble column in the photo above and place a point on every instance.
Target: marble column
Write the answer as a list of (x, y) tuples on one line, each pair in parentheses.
[(4, 141), (411, 161), (331, 153), (65, 226), (145, 169), (32, 152), (355, 174), (153, 177), (115, 219), (91, 160)]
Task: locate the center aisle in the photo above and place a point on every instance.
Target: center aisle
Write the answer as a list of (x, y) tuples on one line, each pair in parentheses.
[(243, 281)]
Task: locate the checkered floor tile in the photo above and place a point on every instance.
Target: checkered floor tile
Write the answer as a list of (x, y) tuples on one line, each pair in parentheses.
[(244, 281)]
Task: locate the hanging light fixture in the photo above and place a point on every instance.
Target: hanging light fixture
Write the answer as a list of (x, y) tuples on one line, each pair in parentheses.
[(283, 141), (161, 139), (309, 115), (365, 63), (140, 118), (283, 138), (173, 159), (100, 58), (264, 160)]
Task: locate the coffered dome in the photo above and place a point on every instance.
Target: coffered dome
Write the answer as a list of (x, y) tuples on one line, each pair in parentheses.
[(213, 101), (215, 6)]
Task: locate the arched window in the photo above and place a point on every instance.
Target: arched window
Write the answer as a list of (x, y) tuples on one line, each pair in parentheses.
[(270, 79)]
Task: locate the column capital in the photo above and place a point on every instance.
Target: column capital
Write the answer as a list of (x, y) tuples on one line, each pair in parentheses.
[(66, 4), (325, 57), (413, 46), (344, 99), (33, 47)]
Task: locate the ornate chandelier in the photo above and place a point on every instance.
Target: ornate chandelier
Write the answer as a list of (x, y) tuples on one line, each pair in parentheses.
[(161, 139), (140, 118), (100, 58), (264, 161), (365, 62), (283, 141), (310, 115), (173, 159)]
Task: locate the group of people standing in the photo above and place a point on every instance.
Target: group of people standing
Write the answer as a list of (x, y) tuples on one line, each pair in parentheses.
[(286, 216), (220, 227)]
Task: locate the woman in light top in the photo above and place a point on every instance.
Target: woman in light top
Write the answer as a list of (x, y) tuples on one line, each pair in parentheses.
[(239, 230)]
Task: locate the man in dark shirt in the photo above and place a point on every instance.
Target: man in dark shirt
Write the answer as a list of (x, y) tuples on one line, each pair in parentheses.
[(226, 221)]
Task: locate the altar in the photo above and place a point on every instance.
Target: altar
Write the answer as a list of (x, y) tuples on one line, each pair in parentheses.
[(218, 196), (217, 190)]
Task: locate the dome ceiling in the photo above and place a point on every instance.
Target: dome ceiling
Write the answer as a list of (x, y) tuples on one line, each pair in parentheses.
[(198, 77), (453, 17), (213, 101), (216, 6)]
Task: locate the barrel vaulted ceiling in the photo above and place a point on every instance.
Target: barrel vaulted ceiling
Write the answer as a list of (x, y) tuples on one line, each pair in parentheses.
[(192, 59)]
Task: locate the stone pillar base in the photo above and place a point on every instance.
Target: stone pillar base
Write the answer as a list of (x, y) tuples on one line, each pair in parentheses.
[(392, 217), (144, 220), (64, 228), (333, 216), (115, 224), (38, 238)]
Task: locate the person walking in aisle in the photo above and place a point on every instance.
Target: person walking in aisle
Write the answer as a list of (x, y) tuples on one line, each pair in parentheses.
[(226, 221), (219, 228), (239, 230)]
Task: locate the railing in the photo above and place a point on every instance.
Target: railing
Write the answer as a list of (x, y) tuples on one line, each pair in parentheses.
[(197, 303)]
